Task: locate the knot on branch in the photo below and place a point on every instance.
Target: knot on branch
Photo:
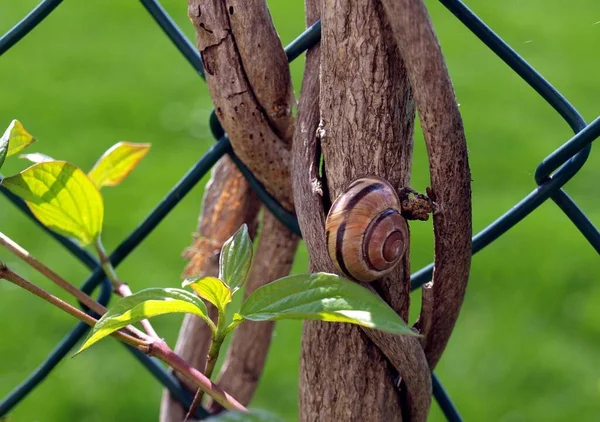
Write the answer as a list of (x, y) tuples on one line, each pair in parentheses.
[(415, 205)]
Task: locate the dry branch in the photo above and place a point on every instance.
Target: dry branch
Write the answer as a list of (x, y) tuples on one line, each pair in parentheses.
[(228, 203), (448, 165), (249, 82), (271, 85), (255, 140), (367, 117)]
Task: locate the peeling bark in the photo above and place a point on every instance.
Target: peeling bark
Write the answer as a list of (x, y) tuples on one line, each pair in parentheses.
[(228, 203), (448, 165)]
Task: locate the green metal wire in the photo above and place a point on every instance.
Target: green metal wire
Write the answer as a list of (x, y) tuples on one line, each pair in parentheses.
[(551, 175)]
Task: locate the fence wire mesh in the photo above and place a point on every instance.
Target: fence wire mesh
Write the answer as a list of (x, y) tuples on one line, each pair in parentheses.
[(550, 176)]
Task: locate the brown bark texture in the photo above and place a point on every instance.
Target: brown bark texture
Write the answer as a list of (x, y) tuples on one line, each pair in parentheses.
[(366, 129), (357, 97), (228, 203), (225, 32), (249, 81), (275, 93), (448, 165)]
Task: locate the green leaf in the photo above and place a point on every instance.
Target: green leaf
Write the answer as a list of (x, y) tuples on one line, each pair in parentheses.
[(254, 416), (14, 139), (116, 163), (3, 150), (17, 138), (324, 297), (145, 304), (36, 157), (62, 197), (236, 259), (211, 289)]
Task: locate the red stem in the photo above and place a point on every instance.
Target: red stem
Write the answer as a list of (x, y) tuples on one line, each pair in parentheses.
[(160, 350)]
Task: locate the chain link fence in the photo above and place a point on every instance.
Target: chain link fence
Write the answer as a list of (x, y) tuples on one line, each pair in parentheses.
[(550, 175)]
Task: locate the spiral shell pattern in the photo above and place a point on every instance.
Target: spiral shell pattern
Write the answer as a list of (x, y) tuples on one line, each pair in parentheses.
[(366, 235)]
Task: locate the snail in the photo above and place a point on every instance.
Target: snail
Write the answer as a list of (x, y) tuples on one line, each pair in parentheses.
[(366, 235)]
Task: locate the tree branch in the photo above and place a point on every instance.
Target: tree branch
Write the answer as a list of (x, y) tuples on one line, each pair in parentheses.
[(366, 129), (237, 91), (249, 81), (257, 44), (448, 165)]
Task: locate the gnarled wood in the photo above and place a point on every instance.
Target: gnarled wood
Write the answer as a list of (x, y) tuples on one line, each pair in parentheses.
[(367, 117), (228, 203), (240, 112), (252, 93), (448, 166), (252, 27), (306, 152), (247, 353)]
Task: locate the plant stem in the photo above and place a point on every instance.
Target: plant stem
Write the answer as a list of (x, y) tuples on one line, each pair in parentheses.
[(88, 301), (21, 253), (213, 356), (160, 350), (122, 289), (232, 326), (156, 348), (14, 278), (119, 287)]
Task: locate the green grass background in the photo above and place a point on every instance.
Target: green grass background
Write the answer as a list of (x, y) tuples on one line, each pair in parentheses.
[(527, 345)]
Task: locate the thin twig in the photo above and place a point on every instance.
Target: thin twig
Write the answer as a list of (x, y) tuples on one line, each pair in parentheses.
[(156, 348), (14, 278), (21, 253), (122, 289), (88, 301)]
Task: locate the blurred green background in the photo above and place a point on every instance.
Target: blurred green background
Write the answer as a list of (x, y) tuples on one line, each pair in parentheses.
[(527, 345)]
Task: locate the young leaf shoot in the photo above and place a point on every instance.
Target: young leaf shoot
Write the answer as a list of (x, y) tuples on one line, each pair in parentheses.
[(211, 289), (14, 140), (116, 163), (236, 259)]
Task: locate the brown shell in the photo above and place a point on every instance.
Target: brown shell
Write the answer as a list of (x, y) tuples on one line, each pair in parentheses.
[(366, 235)]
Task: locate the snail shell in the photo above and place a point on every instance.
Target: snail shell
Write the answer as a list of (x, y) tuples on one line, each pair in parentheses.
[(366, 235)]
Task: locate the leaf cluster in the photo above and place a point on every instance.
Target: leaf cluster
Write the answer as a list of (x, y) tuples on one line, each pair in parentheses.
[(61, 195)]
